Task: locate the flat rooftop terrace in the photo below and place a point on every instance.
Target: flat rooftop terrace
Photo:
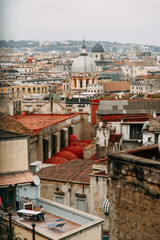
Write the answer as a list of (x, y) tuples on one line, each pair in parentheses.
[(43, 228), (76, 222)]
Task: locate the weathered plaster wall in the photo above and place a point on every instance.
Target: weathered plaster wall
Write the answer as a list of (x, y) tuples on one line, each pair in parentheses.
[(98, 194), (88, 130), (134, 192), (15, 153), (50, 189)]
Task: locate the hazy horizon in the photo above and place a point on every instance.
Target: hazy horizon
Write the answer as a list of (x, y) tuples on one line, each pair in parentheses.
[(121, 21)]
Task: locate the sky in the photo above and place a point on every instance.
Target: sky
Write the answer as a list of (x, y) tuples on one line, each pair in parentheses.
[(123, 21)]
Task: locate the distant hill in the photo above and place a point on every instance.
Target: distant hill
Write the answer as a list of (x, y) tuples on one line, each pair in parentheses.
[(68, 45)]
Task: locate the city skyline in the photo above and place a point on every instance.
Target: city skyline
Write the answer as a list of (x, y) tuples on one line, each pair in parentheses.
[(51, 20)]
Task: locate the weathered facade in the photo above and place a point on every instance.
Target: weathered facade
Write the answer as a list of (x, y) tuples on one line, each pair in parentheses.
[(67, 183), (134, 192)]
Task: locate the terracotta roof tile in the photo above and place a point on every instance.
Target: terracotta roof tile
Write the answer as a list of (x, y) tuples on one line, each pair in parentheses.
[(36, 122), (117, 86), (9, 124), (15, 178), (73, 171)]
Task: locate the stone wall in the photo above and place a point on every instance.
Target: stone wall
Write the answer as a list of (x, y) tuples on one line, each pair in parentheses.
[(134, 192)]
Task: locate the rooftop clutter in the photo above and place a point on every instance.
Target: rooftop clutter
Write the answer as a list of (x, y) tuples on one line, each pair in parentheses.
[(71, 152)]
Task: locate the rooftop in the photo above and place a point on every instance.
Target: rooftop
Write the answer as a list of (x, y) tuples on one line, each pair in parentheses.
[(76, 221), (43, 228), (36, 122), (117, 86), (77, 170), (15, 178), (9, 124), (132, 106)]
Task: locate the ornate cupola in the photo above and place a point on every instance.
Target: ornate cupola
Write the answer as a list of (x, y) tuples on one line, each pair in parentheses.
[(83, 71)]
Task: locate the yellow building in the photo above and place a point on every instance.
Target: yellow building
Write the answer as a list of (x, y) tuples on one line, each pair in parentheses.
[(21, 90)]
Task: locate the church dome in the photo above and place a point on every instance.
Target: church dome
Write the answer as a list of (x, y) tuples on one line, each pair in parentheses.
[(83, 63), (97, 48)]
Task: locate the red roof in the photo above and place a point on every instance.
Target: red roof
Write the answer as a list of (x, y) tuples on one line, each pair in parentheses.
[(67, 155), (116, 86), (78, 171), (37, 122), (15, 178), (56, 160), (77, 150)]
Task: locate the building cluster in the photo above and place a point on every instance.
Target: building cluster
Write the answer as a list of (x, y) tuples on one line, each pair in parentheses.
[(79, 135)]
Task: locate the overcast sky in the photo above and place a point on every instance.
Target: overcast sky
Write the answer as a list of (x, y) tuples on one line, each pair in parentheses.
[(132, 21)]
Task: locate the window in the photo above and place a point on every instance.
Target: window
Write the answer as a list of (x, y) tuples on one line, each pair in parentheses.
[(45, 149), (28, 108), (59, 198), (62, 138), (54, 144), (81, 204), (70, 132), (136, 131)]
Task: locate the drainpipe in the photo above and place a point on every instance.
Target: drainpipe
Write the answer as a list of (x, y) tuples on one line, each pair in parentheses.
[(69, 192), (33, 225)]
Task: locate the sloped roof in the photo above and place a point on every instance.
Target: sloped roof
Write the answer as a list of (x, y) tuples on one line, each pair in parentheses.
[(7, 123), (73, 171), (37, 122), (15, 178), (132, 106), (117, 86)]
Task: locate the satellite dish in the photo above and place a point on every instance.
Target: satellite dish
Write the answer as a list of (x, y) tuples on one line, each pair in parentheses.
[(36, 180)]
